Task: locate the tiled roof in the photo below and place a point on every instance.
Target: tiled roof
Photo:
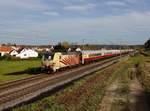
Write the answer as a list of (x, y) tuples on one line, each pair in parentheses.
[(5, 49)]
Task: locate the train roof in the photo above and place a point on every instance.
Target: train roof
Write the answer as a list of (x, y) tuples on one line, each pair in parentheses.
[(98, 51), (92, 51)]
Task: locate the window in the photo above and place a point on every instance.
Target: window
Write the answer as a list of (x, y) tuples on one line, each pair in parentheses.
[(48, 56), (25, 54)]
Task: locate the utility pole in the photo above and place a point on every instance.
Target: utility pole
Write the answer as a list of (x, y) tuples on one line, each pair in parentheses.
[(83, 41)]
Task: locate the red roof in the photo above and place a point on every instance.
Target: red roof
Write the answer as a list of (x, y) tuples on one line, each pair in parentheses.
[(5, 49)]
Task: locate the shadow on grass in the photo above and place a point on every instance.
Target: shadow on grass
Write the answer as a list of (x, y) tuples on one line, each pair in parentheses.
[(35, 70)]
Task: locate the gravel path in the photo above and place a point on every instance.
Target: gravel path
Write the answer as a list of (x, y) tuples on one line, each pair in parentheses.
[(120, 96)]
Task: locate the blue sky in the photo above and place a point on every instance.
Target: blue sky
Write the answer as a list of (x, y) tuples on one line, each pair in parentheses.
[(96, 21)]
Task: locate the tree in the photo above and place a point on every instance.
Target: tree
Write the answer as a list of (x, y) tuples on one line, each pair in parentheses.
[(147, 44), (62, 46), (59, 48), (65, 44)]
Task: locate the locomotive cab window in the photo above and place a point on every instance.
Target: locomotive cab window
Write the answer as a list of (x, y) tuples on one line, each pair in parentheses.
[(48, 56)]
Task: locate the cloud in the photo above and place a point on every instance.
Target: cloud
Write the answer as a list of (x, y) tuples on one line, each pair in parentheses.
[(130, 27), (8, 5), (85, 7), (116, 3), (134, 1), (51, 13), (26, 19)]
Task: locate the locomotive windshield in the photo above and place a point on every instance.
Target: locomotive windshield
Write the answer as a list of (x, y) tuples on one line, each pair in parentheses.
[(48, 56)]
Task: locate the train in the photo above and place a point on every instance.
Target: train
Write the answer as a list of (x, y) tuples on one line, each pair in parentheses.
[(53, 62)]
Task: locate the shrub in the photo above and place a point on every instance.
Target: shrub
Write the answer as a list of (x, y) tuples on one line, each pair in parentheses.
[(40, 55), (5, 57)]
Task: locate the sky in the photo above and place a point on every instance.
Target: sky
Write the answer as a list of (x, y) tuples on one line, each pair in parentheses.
[(94, 21)]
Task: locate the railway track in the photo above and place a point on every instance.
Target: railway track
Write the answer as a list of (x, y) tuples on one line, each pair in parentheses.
[(5, 86), (16, 92)]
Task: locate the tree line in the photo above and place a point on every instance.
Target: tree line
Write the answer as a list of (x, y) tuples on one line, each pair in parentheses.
[(147, 44)]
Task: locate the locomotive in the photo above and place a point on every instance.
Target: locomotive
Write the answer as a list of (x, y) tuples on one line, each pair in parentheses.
[(60, 60)]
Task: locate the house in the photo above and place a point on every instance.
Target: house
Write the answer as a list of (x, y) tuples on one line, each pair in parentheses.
[(13, 53), (27, 53), (4, 50)]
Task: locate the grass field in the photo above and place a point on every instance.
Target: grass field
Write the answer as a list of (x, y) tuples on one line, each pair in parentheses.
[(144, 72), (87, 93), (84, 95), (9, 67)]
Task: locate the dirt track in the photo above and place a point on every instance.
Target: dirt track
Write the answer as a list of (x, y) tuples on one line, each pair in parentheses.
[(125, 96)]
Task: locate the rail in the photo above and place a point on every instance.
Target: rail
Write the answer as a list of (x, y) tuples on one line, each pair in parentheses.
[(15, 93)]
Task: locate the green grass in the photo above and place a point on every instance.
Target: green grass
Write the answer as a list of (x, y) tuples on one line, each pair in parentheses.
[(145, 53), (88, 103), (144, 73), (7, 67)]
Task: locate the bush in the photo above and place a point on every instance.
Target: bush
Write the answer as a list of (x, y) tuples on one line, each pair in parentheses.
[(40, 55), (2, 57), (147, 44), (5, 57)]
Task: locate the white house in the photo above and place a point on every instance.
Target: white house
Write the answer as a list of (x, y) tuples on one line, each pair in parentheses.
[(13, 53), (27, 53)]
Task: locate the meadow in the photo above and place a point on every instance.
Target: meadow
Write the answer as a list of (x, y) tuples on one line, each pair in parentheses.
[(14, 69), (89, 93), (84, 94)]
